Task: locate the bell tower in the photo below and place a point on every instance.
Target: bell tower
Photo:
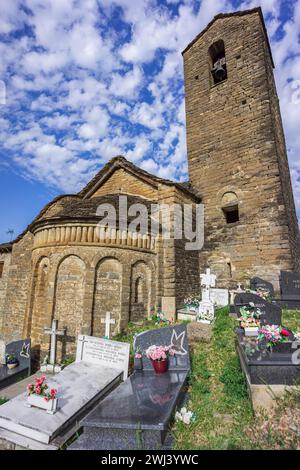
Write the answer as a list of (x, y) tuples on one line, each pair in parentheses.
[(236, 151)]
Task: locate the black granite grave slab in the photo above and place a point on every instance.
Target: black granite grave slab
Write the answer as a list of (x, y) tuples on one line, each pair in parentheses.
[(175, 336), (271, 312), (280, 365), (290, 290), (138, 413), (20, 349), (257, 282), (289, 285)]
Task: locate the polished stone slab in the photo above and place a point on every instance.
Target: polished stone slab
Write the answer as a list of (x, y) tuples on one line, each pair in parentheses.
[(271, 312), (136, 415), (289, 285), (79, 385), (21, 350), (147, 402), (258, 282), (263, 366), (174, 336)]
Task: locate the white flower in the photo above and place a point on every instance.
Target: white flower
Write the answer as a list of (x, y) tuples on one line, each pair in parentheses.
[(184, 415)]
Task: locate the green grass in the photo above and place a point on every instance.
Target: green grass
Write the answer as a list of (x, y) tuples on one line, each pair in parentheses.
[(3, 400), (217, 393), (291, 319)]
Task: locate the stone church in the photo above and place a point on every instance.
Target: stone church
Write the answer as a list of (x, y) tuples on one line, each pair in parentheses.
[(60, 267)]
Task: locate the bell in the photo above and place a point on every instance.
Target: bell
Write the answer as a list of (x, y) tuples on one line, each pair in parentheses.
[(219, 71)]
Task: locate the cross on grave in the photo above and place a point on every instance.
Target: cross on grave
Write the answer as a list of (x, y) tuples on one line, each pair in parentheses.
[(208, 280), (108, 321), (53, 332)]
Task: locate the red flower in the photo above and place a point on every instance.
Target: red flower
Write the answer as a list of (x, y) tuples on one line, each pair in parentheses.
[(38, 390), (285, 333)]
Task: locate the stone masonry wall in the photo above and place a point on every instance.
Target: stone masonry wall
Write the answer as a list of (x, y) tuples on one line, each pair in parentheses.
[(234, 147), (18, 289), (123, 182), (69, 285), (4, 258)]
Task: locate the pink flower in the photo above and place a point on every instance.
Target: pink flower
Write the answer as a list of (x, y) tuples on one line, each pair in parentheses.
[(138, 356), (38, 390), (53, 392)]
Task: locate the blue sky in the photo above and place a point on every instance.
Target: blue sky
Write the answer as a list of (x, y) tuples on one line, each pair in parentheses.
[(89, 79)]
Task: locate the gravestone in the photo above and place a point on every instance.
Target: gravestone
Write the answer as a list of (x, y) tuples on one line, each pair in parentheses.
[(80, 386), (257, 282), (278, 366), (21, 350), (219, 297), (290, 290), (271, 312), (103, 352), (138, 413)]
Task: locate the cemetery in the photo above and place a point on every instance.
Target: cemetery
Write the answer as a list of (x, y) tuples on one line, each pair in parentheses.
[(223, 364)]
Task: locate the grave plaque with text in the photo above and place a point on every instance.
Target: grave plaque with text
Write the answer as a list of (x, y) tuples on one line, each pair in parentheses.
[(104, 352)]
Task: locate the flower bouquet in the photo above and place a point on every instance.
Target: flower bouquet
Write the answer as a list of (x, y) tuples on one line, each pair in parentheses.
[(273, 335), (159, 355), (11, 361), (39, 395), (249, 320), (192, 303), (159, 317)]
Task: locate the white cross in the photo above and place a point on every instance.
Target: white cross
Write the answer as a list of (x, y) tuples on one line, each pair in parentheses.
[(53, 332), (207, 279), (108, 321)]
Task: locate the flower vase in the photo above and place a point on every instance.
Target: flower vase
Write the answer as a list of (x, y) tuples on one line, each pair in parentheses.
[(251, 331), (138, 363), (160, 367), (12, 365), (39, 402)]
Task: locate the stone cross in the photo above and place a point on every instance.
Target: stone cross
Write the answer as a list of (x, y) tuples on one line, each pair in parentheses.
[(108, 321), (53, 332), (208, 280)]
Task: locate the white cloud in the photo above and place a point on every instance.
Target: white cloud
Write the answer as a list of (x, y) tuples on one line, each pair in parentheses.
[(126, 85)]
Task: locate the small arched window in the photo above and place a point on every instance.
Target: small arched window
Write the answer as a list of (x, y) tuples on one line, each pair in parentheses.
[(218, 62), (230, 207)]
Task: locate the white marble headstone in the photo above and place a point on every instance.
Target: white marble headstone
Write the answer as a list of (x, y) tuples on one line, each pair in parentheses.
[(107, 353), (219, 297), (2, 352)]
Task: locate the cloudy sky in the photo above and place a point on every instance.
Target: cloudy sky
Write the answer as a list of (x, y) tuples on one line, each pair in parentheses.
[(86, 80)]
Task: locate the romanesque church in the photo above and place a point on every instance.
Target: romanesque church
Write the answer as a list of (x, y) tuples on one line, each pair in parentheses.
[(60, 267)]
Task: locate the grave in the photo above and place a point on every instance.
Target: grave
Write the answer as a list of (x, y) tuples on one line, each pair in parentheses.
[(100, 366), (206, 306), (280, 366), (21, 350), (290, 290), (138, 413), (219, 297), (259, 283), (271, 312)]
